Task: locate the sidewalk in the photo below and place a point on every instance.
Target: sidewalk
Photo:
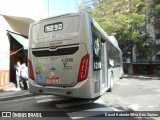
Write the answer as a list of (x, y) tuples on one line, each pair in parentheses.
[(142, 76), (13, 93)]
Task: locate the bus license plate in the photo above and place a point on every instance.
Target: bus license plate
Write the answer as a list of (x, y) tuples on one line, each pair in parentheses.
[(53, 80)]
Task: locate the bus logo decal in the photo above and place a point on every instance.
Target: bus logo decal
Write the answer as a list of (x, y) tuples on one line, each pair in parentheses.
[(97, 47), (65, 64), (67, 67), (39, 74), (53, 78), (52, 68), (39, 70), (39, 78), (52, 71), (52, 46)]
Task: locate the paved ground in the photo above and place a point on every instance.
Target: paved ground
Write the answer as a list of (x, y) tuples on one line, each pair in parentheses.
[(135, 81), (132, 93), (13, 93), (138, 93)]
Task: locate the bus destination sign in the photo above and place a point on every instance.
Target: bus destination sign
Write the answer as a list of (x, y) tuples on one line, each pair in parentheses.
[(53, 27)]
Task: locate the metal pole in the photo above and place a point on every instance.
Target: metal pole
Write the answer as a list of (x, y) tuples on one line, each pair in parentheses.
[(48, 8)]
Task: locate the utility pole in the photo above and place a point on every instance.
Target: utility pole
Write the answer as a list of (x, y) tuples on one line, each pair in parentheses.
[(48, 8)]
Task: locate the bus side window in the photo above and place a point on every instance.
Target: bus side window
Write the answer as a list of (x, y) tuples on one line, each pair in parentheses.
[(109, 54)]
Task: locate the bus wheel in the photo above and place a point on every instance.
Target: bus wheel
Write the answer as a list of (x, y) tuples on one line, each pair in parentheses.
[(111, 82)]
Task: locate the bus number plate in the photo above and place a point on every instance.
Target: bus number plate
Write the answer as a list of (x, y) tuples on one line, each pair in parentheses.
[(53, 27), (53, 80)]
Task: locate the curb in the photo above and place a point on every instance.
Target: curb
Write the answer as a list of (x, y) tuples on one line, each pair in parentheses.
[(13, 97), (141, 77)]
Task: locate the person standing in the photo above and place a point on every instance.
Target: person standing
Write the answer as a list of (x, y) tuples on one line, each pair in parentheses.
[(24, 75), (18, 70)]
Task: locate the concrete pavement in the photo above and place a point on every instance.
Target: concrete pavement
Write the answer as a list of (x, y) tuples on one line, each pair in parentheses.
[(13, 93), (142, 77), (135, 93)]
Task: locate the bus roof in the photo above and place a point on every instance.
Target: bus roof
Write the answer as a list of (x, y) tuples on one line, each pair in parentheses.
[(57, 16)]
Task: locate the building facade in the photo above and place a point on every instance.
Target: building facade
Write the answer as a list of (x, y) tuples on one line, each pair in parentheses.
[(135, 61), (13, 46)]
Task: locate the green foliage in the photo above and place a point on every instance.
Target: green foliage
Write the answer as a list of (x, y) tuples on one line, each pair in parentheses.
[(127, 20), (106, 14)]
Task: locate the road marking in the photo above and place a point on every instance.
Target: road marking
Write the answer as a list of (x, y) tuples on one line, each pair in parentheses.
[(51, 99), (99, 101), (135, 106), (152, 106), (21, 99), (64, 105), (157, 90), (89, 113), (115, 109), (43, 96)]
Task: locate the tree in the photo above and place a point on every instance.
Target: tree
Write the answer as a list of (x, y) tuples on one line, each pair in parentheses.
[(118, 17), (127, 20), (152, 9)]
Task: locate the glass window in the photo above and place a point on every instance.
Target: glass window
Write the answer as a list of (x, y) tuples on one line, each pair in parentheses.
[(97, 45)]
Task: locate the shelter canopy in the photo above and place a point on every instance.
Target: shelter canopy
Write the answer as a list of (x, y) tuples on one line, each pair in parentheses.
[(22, 40), (19, 24)]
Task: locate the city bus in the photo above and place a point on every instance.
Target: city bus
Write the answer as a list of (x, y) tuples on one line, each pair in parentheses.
[(70, 55)]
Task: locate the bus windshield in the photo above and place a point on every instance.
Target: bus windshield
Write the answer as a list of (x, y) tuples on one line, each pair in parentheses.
[(55, 29)]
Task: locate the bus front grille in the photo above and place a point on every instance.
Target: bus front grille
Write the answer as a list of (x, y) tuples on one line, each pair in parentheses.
[(62, 51)]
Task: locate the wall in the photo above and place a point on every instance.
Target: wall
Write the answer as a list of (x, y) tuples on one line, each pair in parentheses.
[(4, 53)]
